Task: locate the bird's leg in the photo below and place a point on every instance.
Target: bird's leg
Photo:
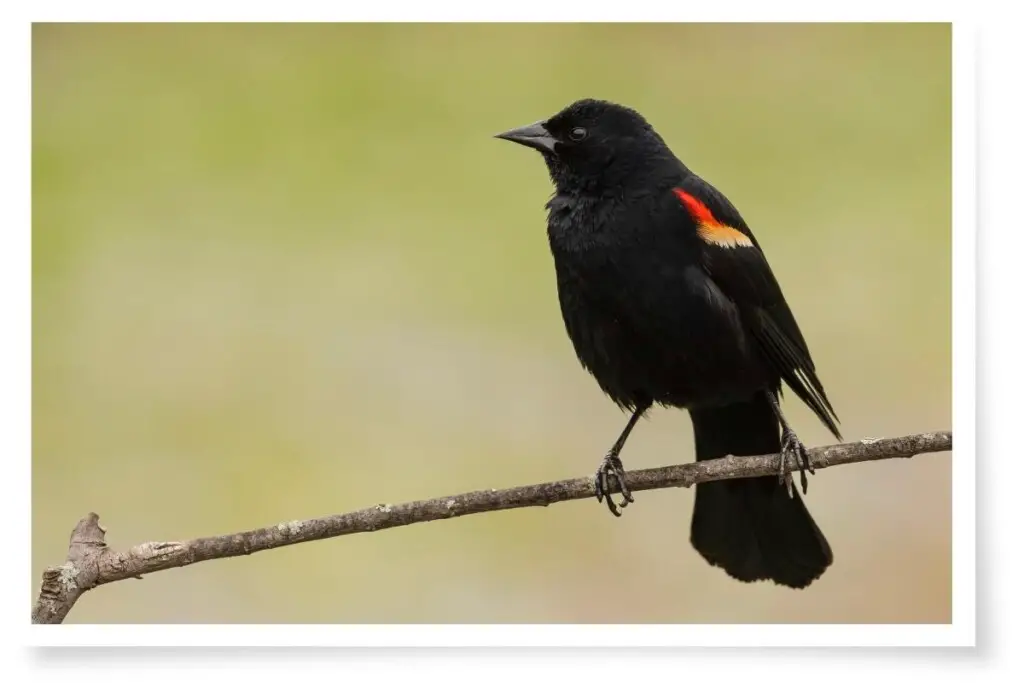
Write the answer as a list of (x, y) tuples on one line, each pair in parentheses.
[(790, 444), (611, 467)]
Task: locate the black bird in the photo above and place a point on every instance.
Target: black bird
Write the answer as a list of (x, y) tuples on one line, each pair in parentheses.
[(668, 298)]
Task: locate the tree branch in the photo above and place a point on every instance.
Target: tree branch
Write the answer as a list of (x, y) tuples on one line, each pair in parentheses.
[(90, 562)]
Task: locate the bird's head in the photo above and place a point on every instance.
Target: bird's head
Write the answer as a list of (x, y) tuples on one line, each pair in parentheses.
[(593, 145)]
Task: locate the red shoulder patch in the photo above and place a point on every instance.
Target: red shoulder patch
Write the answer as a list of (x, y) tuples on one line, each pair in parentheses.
[(709, 228), (697, 208)]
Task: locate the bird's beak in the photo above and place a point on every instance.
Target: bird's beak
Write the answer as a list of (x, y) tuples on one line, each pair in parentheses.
[(535, 135)]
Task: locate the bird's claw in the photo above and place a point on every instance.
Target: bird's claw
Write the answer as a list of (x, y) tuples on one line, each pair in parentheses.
[(791, 445), (611, 468)]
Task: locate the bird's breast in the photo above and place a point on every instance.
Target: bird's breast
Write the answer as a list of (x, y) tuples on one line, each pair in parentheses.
[(651, 324)]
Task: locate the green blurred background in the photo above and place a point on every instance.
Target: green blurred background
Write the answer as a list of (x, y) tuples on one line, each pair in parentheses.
[(283, 271)]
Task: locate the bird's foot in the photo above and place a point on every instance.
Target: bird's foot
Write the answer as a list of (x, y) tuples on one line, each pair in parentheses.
[(791, 445), (611, 468)]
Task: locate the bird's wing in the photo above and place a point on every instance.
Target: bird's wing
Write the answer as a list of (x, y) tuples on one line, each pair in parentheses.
[(734, 260)]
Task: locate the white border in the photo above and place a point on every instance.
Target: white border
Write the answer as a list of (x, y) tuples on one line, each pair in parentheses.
[(525, 635), (961, 632), (519, 11), (964, 260)]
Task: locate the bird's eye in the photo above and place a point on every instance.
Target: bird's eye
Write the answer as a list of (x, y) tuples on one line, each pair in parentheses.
[(578, 134)]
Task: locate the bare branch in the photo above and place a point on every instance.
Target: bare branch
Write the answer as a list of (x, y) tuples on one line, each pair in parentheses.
[(91, 562)]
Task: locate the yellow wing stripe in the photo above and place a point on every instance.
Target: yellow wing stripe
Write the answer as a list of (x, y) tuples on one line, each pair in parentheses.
[(722, 236)]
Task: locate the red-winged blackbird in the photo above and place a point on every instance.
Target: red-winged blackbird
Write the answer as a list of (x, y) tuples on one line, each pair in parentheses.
[(668, 299)]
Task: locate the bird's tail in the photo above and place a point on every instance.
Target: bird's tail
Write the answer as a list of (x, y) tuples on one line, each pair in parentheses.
[(751, 528)]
